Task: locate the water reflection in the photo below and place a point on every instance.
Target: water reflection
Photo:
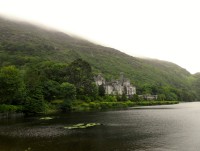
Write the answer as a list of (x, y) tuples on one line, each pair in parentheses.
[(157, 128)]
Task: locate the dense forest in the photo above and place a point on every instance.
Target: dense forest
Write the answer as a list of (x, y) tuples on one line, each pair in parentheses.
[(44, 82), (40, 67)]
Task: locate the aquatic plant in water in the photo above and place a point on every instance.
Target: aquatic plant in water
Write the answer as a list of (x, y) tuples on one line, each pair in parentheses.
[(29, 149), (82, 125), (46, 118)]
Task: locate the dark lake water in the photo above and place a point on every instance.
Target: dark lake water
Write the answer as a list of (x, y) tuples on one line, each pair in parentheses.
[(154, 128)]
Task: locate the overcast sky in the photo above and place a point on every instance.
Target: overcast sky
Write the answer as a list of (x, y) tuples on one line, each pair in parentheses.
[(163, 29)]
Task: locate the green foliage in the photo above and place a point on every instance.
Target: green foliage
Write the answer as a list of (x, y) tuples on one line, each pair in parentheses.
[(134, 98), (118, 97), (101, 90), (109, 98), (53, 71), (195, 95), (83, 106), (33, 105), (161, 97), (35, 99), (12, 88), (51, 90), (124, 97), (93, 91), (43, 62), (67, 91), (80, 74), (10, 108), (147, 103), (33, 82)]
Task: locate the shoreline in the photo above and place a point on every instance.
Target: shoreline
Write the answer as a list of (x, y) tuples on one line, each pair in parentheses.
[(90, 106), (100, 106)]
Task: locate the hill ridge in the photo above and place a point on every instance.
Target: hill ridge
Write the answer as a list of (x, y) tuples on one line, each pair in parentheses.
[(22, 44)]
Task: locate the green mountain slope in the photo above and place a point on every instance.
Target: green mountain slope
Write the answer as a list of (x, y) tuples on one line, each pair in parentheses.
[(22, 44)]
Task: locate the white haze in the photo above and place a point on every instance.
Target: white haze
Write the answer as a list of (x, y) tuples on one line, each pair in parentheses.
[(163, 29)]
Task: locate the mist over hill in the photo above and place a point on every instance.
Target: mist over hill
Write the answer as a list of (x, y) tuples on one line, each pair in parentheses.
[(23, 44)]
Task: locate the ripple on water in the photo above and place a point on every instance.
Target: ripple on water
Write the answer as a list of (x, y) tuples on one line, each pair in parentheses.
[(42, 131)]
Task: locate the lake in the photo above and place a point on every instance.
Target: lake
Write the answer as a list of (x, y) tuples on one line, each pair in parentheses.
[(152, 128)]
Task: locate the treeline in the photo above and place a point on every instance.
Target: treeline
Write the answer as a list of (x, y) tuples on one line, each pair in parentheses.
[(35, 88), (167, 92)]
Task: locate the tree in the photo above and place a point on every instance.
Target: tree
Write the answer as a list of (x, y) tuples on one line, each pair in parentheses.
[(161, 97), (135, 98), (34, 104), (101, 90), (118, 98), (12, 88), (80, 74), (51, 90), (35, 99), (33, 83), (170, 93), (93, 92), (68, 93), (123, 97), (147, 89), (53, 71)]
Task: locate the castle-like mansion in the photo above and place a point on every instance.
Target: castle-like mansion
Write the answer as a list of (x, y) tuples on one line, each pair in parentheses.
[(116, 87)]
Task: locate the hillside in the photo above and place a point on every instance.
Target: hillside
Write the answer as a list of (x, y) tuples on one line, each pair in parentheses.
[(22, 44)]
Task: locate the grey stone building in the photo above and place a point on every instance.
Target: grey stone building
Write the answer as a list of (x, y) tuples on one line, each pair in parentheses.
[(116, 87)]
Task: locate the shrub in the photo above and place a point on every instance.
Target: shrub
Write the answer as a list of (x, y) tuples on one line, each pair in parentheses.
[(57, 102), (95, 105), (108, 98), (34, 106), (10, 108)]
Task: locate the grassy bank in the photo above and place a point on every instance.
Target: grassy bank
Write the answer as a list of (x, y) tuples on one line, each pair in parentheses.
[(148, 103), (78, 106), (83, 106), (4, 108)]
